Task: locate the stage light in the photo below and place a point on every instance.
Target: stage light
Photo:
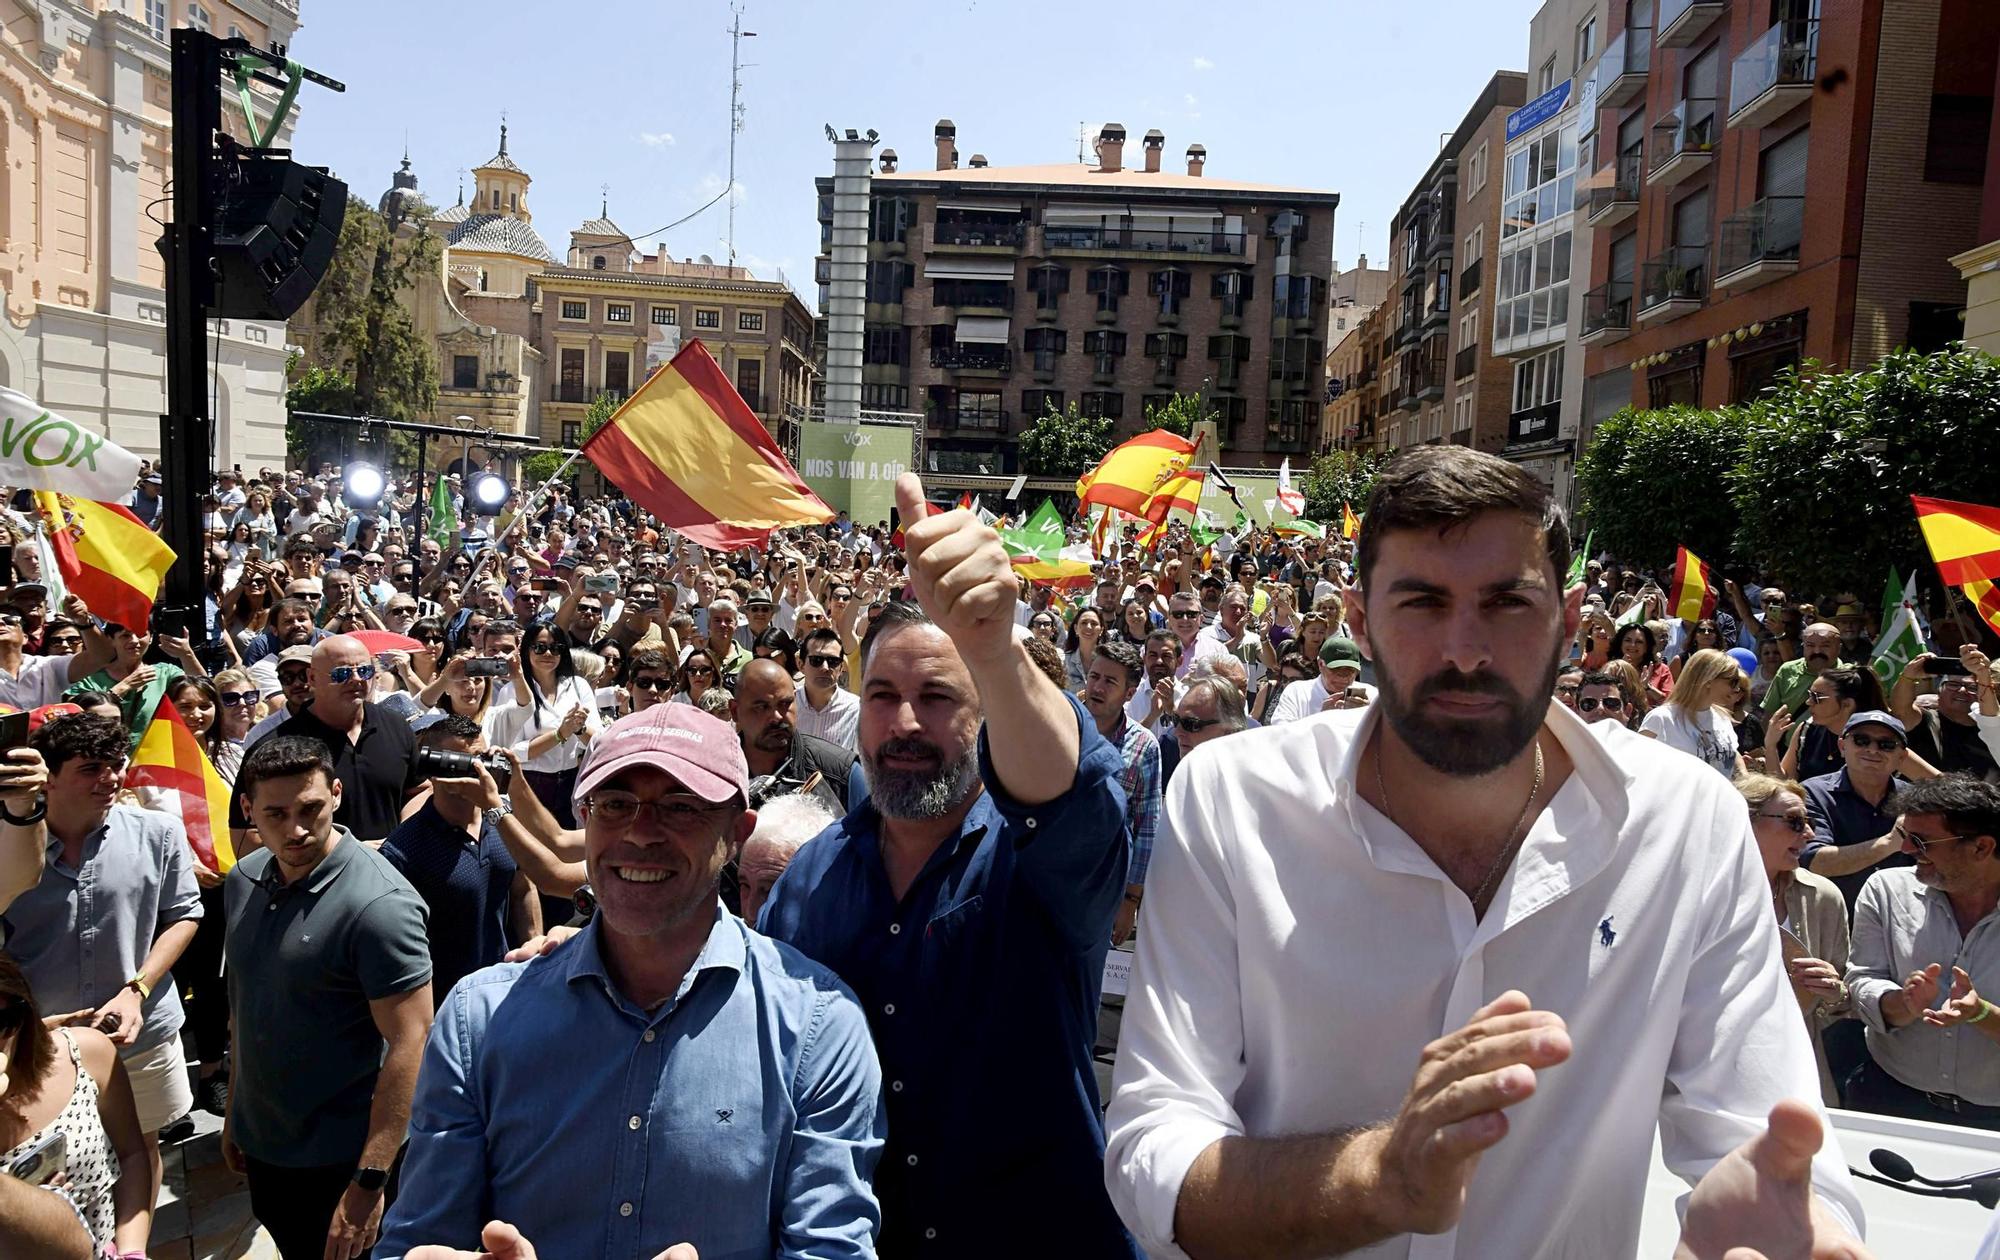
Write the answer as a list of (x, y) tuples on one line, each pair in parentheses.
[(488, 493), (363, 485)]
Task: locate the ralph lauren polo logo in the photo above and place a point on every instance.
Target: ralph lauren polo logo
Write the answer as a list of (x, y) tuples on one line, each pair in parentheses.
[(722, 1115), (1605, 936)]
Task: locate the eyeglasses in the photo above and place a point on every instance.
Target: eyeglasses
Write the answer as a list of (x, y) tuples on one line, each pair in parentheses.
[(430, 638), (1184, 614), (1923, 844), (653, 682), (287, 677), (1610, 704), (1887, 743), (1796, 823), (1569, 690), (310, 597), (347, 673), (401, 610), (824, 662), (1815, 697), (65, 640), (546, 649), (701, 671), (622, 809), (1194, 724)]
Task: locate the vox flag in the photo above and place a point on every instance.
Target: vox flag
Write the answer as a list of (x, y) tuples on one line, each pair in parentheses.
[(40, 450)]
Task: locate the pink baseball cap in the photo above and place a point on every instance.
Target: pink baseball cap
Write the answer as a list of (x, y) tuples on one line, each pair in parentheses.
[(700, 750)]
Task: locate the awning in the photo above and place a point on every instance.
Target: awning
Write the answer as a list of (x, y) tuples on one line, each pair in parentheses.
[(970, 269), (984, 329), (982, 207)]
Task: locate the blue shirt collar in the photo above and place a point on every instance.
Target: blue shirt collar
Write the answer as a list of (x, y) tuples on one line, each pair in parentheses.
[(724, 950)]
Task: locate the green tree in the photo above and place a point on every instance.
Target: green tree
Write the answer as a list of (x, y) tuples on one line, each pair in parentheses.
[(1065, 443), (541, 466), (1339, 477), (1654, 480), (1179, 414), (601, 408), (362, 311), (1822, 488)]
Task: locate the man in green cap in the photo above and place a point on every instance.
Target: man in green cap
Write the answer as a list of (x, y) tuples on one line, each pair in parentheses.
[(1338, 686)]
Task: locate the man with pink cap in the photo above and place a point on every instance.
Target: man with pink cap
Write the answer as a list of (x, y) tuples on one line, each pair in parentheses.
[(667, 1080)]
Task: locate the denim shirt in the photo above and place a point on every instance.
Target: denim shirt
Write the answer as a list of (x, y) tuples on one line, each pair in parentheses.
[(981, 987), (743, 1115)]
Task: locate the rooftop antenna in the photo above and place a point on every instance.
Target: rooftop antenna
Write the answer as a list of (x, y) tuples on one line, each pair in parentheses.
[(1081, 127), (736, 67)]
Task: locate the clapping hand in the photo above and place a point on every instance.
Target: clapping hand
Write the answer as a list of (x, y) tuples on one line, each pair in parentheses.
[(1962, 1006)]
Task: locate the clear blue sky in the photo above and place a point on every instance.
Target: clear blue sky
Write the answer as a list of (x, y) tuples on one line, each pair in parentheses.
[(1348, 95)]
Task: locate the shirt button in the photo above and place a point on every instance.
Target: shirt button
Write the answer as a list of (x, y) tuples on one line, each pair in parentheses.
[(1031, 824), (650, 1034), (633, 1123), (624, 1209), (930, 1233), (888, 1008), (895, 929), (895, 1087), (911, 1161)]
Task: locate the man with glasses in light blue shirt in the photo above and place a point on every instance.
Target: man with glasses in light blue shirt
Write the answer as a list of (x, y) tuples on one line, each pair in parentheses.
[(704, 1085)]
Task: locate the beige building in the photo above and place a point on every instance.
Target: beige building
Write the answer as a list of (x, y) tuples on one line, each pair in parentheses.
[(85, 124)]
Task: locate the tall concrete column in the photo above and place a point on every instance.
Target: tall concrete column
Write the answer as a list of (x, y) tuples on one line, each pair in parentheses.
[(847, 286)]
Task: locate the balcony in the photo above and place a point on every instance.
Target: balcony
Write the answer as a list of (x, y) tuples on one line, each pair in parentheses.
[(973, 357), (1614, 190), (1673, 283), (1775, 74), (1429, 379), (1442, 235), (1166, 368), (1232, 307), (1045, 364), (1536, 424), (980, 235), (1621, 71), (1683, 143), (974, 421), (1469, 279), (569, 392), (972, 295), (1408, 333), (1104, 367), (1073, 237), (1607, 313), (1682, 22), (1759, 243), (1465, 363), (1437, 316)]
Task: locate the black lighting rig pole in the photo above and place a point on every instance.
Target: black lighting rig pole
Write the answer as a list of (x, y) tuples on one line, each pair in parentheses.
[(252, 231)]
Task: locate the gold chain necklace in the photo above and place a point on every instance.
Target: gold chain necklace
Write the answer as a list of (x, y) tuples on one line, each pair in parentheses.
[(1516, 836)]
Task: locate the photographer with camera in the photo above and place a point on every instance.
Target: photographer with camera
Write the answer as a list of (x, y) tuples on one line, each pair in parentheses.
[(451, 852)]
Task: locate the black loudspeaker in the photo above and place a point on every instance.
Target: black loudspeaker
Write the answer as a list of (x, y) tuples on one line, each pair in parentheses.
[(276, 227)]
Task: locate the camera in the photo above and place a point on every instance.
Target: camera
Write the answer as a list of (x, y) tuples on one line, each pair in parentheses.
[(437, 763)]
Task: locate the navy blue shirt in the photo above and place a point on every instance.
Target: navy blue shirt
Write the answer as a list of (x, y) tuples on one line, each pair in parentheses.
[(981, 989), (466, 884), (1842, 816)]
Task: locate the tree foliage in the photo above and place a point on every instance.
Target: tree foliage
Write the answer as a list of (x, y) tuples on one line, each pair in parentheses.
[(1339, 477), (1822, 490), (1654, 480), (1179, 414), (541, 466), (601, 408), (366, 329), (1065, 443)]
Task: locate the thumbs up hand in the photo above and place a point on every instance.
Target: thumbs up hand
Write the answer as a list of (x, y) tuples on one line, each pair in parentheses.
[(960, 574)]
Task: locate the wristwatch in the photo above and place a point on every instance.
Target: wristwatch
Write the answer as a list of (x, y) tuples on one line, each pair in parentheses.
[(33, 816), (139, 982), (371, 1179), (504, 809)]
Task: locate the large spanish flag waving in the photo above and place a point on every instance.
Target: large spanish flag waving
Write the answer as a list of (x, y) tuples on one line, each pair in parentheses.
[(1691, 597), (1148, 476), (690, 451), (1964, 539), (106, 555), (172, 759)]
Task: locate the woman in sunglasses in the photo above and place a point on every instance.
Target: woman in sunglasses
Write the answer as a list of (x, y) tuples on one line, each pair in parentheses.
[(459, 692), (66, 1095), (1812, 916), (552, 720), (697, 674)]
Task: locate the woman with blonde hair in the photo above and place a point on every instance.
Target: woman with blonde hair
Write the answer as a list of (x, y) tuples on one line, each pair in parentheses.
[(1695, 717), (1812, 916)]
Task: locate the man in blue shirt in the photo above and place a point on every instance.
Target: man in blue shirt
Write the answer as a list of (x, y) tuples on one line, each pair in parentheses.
[(668, 1077), (969, 901)]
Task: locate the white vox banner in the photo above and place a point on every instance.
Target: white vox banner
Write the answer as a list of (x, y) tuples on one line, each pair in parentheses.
[(40, 450)]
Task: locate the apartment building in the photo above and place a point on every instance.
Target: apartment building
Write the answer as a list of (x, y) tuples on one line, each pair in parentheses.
[(995, 293), (1775, 181), (1353, 386), (1542, 242), (1980, 266), (1447, 385), (86, 144)]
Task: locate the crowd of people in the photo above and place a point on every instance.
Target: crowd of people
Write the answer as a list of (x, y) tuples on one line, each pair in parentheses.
[(589, 892)]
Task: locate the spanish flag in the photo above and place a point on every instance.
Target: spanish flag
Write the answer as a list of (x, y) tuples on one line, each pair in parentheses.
[(1964, 539), (172, 759), (1692, 598), (690, 451), (1350, 524), (106, 555), (1148, 476)]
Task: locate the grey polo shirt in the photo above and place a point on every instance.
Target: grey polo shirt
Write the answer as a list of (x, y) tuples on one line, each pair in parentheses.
[(304, 960), (82, 932)]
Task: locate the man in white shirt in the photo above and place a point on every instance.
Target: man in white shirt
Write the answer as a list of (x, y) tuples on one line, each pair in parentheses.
[(825, 708), (29, 682), (1233, 635), (1464, 847), (1339, 669), (1184, 616)]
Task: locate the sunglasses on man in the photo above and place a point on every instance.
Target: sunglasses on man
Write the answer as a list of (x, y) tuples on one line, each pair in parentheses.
[(1194, 725), (347, 673), (652, 682), (1887, 743), (1591, 704), (824, 662)]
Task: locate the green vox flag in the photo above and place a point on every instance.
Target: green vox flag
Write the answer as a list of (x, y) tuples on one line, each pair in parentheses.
[(1040, 536), (1901, 642), (1203, 529), (1577, 560), (444, 517)]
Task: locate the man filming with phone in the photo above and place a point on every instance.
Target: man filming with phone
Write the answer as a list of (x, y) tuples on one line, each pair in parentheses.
[(1947, 735)]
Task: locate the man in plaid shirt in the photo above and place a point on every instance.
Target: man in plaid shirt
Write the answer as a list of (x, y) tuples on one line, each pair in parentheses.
[(1113, 675)]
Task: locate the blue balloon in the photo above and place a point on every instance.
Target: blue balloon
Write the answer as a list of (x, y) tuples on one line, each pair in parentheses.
[(1744, 657)]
